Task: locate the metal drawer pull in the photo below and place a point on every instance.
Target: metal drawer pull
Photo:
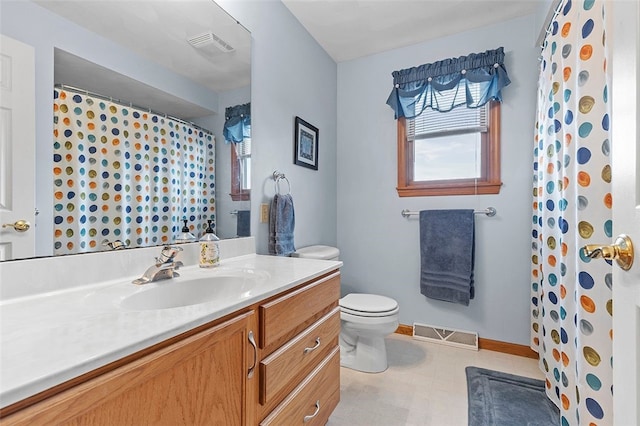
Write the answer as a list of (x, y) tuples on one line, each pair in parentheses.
[(307, 350), (307, 418), (255, 354)]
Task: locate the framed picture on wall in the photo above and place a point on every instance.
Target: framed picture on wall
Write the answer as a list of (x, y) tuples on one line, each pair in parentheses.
[(305, 152)]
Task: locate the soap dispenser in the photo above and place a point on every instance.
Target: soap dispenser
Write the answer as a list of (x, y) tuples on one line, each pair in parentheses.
[(185, 236), (209, 248)]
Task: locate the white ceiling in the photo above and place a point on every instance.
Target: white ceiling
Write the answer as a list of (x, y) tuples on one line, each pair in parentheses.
[(349, 29), (158, 31)]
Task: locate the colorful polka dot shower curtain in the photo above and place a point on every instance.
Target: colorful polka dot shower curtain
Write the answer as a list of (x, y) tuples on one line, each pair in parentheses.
[(122, 173), (571, 295)]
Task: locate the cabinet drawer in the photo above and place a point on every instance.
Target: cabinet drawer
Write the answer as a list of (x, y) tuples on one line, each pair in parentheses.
[(313, 401), (286, 316), (298, 356)]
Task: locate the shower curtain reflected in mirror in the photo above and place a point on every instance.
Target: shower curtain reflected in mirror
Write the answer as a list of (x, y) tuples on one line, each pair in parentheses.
[(571, 294), (122, 173)]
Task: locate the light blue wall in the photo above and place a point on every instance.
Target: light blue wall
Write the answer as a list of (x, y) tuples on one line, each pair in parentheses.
[(291, 75), (379, 247)]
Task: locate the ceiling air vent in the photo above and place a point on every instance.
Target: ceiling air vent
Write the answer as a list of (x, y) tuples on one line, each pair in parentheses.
[(207, 40)]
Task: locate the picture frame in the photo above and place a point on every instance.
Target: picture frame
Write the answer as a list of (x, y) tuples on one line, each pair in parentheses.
[(305, 152)]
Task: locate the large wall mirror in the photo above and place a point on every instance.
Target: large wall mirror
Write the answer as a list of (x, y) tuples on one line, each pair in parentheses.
[(131, 99)]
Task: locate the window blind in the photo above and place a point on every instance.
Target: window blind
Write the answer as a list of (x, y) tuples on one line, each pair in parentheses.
[(243, 149), (460, 119)]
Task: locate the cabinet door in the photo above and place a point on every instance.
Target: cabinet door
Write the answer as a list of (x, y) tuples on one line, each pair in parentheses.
[(201, 380)]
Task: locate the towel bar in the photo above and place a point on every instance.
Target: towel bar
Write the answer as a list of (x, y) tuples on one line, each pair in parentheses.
[(489, 211), (277, 176)]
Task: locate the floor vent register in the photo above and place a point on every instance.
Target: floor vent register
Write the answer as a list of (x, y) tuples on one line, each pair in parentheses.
[(445, 336)]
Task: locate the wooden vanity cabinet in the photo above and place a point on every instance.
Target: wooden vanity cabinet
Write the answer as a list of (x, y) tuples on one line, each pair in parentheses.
[(300, 361), (275, 363), (203, 379)]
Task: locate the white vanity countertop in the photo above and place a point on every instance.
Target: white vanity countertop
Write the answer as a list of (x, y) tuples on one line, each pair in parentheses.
[(50, 338)]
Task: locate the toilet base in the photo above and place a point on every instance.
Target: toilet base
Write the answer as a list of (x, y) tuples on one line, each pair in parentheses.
[(368, 355)]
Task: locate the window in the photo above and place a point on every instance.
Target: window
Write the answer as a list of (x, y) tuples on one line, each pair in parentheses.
[(448, 116), (241, 170), (450, 153), (237, 132)]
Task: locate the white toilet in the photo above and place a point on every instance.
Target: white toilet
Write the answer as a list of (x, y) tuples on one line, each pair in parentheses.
[(365, 320)]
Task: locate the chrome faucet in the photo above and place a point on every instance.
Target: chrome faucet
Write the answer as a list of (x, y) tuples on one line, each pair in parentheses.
[(164, 268), (115, 245)]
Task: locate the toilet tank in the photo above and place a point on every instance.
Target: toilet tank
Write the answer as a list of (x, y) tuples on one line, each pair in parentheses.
[(317, 252)]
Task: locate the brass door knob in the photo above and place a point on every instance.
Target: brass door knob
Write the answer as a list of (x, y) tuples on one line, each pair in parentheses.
[(20, 225), (621, 250)]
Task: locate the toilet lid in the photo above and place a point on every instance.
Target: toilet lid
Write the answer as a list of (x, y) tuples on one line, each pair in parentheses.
[(368, 304), (317, 252)]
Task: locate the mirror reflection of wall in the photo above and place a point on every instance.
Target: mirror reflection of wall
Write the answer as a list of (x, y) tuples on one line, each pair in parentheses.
[(158, 70)]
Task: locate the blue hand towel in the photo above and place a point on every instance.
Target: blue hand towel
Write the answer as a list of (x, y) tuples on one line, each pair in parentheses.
[(447, 242), (272, 226), (281, 225), (243, 224)]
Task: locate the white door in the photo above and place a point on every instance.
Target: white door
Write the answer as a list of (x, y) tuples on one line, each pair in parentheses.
[(626, 208), (17, 148)]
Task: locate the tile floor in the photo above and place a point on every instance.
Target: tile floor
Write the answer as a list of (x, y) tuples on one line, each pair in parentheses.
[(425, 384)]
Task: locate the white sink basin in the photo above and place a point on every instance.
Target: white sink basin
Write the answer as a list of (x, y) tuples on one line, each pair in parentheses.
[(193, 288), (173, 293)]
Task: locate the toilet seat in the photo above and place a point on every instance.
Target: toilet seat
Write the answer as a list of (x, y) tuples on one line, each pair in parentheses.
[(368, 305), (317, 252)]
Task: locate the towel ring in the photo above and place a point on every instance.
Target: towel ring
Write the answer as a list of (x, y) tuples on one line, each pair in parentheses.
[(277, 177)]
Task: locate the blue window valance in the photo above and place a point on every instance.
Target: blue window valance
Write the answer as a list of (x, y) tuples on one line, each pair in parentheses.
[(471, 80), (237, 125)]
